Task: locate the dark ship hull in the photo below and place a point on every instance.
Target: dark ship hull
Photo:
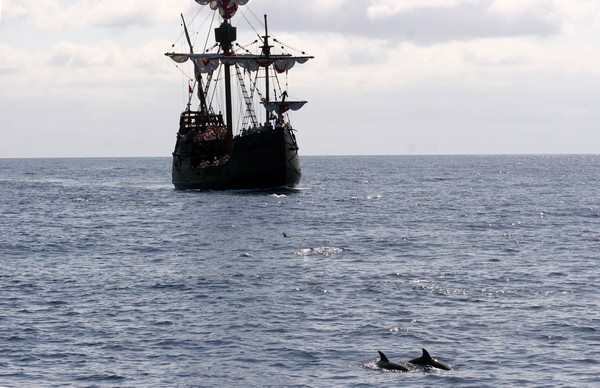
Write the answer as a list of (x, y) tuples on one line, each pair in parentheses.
[(267, 159)]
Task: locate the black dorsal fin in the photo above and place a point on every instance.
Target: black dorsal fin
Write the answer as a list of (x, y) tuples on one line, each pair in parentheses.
[(383, 357), (426, 355)]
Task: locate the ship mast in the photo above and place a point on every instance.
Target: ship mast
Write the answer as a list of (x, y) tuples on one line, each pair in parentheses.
[(197, 73), (266, 51), (225, 35)]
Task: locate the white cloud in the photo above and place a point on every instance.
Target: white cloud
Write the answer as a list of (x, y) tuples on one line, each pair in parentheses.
[(11, 58), (328, 6), (12, 9), (71, 55), (102, 71), (512, 7), (423, 22), (53, 15), (461, 72), (386, 8)]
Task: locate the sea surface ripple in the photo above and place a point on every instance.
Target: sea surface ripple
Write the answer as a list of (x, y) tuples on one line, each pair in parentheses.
[(110, 277)]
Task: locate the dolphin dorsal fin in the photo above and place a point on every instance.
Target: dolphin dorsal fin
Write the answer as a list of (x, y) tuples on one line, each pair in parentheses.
[(383, 357), (426, 354)]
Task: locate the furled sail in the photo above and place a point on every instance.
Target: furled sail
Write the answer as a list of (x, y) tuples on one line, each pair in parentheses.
[(283, 106), (208, 62)]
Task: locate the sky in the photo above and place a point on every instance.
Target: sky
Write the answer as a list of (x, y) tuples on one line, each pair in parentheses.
[(88, 78)]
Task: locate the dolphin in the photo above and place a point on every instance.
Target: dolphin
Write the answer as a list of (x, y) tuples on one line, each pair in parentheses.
[(427, 361), (384, 363)]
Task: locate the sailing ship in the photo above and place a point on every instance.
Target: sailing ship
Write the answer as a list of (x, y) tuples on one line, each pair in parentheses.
[(224, 144)]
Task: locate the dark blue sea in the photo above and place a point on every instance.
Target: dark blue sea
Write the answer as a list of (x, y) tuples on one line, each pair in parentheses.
[(110, 277)]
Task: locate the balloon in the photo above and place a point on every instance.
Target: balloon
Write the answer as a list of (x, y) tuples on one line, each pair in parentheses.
[(227, 8)]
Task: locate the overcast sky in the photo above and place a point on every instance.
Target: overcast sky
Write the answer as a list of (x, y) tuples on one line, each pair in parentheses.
[(83, 78)]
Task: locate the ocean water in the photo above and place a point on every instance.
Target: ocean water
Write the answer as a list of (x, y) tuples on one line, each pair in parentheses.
[(110, 277)]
